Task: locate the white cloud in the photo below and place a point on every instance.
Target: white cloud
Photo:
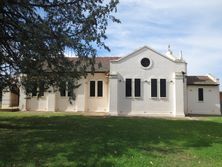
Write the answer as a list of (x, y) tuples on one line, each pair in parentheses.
[(167, 4), (192, 26)]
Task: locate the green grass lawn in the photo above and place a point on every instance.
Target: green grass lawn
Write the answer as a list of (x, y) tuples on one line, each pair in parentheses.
[(59, 139)]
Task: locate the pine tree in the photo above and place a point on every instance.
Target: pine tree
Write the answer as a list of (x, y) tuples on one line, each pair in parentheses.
[(35, 34)]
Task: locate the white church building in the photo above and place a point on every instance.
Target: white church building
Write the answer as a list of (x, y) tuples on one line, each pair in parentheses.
[(142, 83)]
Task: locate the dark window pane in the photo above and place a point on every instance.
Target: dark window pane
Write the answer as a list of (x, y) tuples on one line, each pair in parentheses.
[(162, 87), (137, 87), (200, 94), (34, 89), (62, 89), (145, 62), (62, 92), (100, 88), (70, 90), (92, 88), (41, 88), (128, 87), (153, 87)]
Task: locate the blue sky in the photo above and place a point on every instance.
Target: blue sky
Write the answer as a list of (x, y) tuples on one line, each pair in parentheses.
[(193, 26)]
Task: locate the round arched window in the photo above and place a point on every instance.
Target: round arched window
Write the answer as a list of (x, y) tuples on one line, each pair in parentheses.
[(145, 62)]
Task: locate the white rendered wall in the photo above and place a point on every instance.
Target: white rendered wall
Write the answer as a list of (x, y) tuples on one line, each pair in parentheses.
[(52, 101), (211, 103), (22, 99), (96, 104), (9, 99), (64, 104), (179, 94), (6, 99), (130, 67), (77, 105), (83, 102), (37, 104), (113, 96)]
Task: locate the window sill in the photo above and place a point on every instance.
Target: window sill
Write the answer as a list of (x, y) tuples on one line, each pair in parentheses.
[(133, 97), (128, 97), (154, 98), (163, 98), (138, 97)]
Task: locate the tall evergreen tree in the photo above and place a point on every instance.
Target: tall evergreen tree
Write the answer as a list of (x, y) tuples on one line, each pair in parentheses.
[(35, 34)]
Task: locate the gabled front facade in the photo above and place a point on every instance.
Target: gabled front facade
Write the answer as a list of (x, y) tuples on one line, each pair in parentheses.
[(155, 88), (142, 83)]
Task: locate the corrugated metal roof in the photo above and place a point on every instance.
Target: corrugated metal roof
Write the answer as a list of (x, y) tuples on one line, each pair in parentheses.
[(200, 80), (102, 64)]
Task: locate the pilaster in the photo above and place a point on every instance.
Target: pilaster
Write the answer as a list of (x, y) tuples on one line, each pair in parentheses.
[(179, 96)]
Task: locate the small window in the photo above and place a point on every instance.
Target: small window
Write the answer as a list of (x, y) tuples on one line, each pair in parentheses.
[(162, 87), (92, 89), (34, 89), (200, 94), (100, 88), (137, 87), (41, 89), (62, 92), (153, 87), (128, 87), (70, 89), (62, 89), (145, 62)]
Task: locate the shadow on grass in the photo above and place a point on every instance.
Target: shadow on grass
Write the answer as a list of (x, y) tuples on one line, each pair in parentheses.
[(96, 141)]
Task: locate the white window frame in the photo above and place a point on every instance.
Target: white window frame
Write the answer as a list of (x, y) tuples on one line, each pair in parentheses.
[(96, 89)]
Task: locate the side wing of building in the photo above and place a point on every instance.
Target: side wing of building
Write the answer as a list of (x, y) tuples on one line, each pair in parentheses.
[(203, 95)]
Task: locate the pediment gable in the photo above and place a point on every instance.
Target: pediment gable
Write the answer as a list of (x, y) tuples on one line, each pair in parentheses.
[(141, 50)]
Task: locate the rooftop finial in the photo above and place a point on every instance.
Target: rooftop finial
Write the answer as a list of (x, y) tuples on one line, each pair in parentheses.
[(181, 55), (169, 50), (169, 53), (169, 47)]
